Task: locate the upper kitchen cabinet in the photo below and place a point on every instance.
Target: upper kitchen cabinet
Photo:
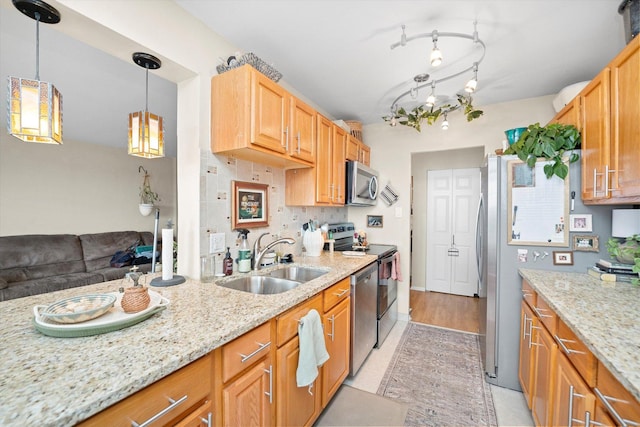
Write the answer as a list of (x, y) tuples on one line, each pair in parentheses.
[(570, 114), (254, 118), (358, 150), (610, 111)]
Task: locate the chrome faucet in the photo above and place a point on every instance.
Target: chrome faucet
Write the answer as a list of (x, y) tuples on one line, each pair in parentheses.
[(258, 253)]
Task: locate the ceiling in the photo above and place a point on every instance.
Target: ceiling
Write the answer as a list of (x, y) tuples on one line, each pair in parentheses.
[(337, 52)]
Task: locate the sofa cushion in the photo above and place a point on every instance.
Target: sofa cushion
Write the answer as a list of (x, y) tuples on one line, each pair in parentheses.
[(98, 248), (113, 273), (37, 256), (48, 284), (3, 283)]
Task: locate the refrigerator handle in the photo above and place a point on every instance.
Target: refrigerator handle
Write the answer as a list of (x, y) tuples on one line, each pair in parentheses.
[(479, 238)]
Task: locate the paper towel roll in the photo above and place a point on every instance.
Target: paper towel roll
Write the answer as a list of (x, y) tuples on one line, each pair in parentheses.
[(167, 253)]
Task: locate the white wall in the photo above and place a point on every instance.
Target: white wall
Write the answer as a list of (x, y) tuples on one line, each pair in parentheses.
[(391, 150)]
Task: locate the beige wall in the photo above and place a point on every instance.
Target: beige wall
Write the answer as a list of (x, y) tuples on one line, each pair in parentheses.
[(77, 188), (391, 151)]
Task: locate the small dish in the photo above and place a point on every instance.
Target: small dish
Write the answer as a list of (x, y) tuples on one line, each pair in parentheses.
[(79, 309)]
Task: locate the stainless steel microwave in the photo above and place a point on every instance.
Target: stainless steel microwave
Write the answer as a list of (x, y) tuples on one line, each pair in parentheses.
[(361, 184)]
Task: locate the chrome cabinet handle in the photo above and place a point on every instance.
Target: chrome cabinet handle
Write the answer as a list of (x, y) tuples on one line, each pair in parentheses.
[(606, 401), (207, 421), (171, 407), (270, 392), (298, 138), (531, 328), (566, 349), (332, 319), (538, 310), (286, 138), (524, 326), (341, 293), (260, 348), (573, 394)]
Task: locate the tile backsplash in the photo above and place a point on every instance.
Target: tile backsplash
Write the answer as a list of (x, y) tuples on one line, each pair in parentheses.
[(216, 174)]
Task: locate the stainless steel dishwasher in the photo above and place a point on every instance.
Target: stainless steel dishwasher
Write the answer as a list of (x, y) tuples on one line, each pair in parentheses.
[(364, 320)]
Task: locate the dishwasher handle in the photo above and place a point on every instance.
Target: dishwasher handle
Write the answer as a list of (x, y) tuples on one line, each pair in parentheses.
[(364, 274)]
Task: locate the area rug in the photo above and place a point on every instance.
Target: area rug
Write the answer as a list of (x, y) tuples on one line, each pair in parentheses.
[(353, 407), (438, 372)]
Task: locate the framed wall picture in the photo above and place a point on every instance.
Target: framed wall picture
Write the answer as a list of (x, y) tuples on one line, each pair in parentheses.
[(249, 205), (562, 258), (580, 222), (586, 243), (374, 220)]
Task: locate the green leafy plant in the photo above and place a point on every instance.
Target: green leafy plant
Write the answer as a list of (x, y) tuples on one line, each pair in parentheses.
[(147, 196), (626, 250), (551, 142), (414, 117), (636, 269)]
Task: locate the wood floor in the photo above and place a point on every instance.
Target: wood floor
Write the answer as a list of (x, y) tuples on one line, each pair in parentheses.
[(445, 310)]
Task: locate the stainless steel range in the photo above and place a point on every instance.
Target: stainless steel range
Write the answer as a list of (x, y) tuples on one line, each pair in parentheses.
[(374, 308)]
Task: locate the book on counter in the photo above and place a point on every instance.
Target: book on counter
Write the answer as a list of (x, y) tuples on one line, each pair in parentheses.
[(610, 277), (614, 267)]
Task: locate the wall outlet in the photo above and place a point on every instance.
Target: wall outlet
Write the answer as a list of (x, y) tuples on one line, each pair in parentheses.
[(216, 243)]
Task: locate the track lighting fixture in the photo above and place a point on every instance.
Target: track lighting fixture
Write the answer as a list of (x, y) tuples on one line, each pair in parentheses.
[(471, 85), (445, 122), (436, 54), (431, 99)]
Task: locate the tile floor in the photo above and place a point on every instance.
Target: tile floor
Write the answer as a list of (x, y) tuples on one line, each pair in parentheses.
[(511, 409)]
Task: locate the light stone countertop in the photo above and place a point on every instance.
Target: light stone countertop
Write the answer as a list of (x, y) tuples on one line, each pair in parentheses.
[(50, 381), (604, 315)]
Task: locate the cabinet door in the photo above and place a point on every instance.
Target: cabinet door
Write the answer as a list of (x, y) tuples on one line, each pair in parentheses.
[(201, 417), (542, 391), (625, 111), (247, 401), (570, 114), (353, 148), (336, 334), (338, 165), (269, 118), (365, 154), (594, 100), (526, 360), (303, 131), (296, 406), (323, 160), (572, 397)]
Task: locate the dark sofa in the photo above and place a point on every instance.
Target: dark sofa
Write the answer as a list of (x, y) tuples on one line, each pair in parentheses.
[(40, 263)]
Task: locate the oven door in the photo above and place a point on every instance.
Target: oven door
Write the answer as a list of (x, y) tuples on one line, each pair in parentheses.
[(387, 287)]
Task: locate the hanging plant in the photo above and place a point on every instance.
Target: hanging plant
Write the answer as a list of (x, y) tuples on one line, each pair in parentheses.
[(414, 117), (551, 142), (147, 196)]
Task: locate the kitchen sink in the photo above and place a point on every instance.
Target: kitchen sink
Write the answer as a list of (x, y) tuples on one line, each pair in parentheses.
[(299, 274), (260, 284)]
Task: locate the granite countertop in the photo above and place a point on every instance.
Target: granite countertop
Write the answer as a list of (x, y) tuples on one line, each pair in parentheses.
[(50, 381), (604, 315)]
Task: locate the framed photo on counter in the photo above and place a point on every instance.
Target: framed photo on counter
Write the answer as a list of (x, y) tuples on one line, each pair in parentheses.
[(249, 205)]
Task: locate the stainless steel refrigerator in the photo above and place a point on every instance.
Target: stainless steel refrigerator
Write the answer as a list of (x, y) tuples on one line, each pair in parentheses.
[(498, 263)]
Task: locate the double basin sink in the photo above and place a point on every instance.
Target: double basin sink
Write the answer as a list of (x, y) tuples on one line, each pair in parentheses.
[(275, 282)]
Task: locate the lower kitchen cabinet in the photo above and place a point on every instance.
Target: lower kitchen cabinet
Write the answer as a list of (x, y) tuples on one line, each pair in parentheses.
[(525, 369), (201, 417), (542, 391), (336, 332), (574, 402), (620, 405)]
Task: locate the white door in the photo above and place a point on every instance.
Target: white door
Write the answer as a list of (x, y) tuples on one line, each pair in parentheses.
[(452, 196)]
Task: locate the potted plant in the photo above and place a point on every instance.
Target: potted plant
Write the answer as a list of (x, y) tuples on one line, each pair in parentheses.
[(147, 196), (551, 142), (625, 251), (414, 117)]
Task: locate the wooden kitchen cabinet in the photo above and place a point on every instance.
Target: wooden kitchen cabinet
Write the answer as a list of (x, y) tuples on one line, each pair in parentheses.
[(570, 114), (254, 118), (544, 360), (248, 379), (323, 185), (525, 367), (184, 391), (337, 324), (574, 401), (610, 106), (358, 151), (617, 402)]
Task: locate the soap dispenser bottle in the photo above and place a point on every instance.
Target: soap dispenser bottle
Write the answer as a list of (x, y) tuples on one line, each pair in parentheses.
[(244, 252), (227, 264)]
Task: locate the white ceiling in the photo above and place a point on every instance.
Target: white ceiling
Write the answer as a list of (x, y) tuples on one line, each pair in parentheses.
[(337, 52)]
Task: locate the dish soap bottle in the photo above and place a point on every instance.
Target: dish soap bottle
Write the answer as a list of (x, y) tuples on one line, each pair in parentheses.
[(244, 252), (227, 264)]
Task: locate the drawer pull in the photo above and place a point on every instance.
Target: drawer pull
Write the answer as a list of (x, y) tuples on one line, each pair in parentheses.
[(524, 326), (605, 400), (165, 411), (270, 392), (531, 328), (342, 292), (538, 310), (260, 348), (207, 421), (567, 350), (332, 319)]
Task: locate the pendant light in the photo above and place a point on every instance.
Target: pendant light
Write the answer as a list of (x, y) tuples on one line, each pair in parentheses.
[(146, 130), (436, 54), (35, 107)]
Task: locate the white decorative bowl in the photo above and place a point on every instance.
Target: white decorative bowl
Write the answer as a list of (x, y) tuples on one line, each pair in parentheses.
[(79, 309)]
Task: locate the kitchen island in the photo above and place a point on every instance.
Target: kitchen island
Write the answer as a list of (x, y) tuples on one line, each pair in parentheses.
[(50, 381), (604, 315)]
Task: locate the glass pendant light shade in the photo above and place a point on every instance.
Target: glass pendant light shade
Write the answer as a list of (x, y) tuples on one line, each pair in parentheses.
[(436, 56), (146, 135), (471, 85), (445, 124), (35, 107), (431, 99), (146, 130), (35, 111)]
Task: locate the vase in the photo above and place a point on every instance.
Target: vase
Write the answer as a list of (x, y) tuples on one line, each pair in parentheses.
[(135, 299), (145, 208), (313, 242)]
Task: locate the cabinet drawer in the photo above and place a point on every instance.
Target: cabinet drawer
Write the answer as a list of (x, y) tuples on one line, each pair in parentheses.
[(336, 293), (583, 360), (287, 324), (528, 294), (615, 398), (186, 387), (242, 352), (546, 315)]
